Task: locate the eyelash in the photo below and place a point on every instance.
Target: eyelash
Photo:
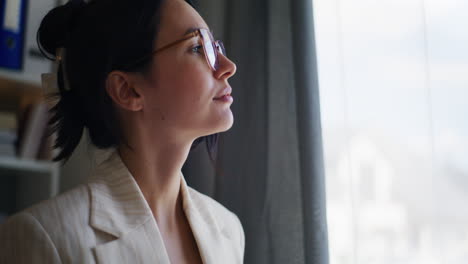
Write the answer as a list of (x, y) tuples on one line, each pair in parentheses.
[(197, 49)]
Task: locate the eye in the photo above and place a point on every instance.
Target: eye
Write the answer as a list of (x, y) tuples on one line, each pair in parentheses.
[(197, 49)]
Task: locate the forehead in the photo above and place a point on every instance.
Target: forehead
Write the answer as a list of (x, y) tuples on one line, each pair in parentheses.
[(177, 17)]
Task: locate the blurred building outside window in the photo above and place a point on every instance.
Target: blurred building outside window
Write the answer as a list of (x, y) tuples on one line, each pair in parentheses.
[(393, 77)]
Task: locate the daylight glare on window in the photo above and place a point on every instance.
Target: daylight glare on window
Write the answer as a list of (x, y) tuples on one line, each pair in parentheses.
[(393, 77)]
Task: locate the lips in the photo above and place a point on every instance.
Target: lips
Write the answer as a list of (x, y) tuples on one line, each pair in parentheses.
[(226, 91)]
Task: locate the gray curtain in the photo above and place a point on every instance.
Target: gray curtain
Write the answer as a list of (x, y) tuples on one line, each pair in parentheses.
[(270, 163)]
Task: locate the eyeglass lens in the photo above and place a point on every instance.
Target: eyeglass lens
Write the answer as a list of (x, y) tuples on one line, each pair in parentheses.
[(220, 46), (209, 48), (212, 48)]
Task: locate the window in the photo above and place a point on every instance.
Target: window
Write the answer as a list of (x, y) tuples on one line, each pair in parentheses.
[(393, 78)]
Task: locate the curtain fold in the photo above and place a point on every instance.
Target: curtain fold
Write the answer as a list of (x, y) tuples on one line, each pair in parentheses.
[(270, 163), (309, 132)]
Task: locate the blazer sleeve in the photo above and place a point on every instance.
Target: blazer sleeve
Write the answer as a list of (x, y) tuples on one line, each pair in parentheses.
[(24, 240)]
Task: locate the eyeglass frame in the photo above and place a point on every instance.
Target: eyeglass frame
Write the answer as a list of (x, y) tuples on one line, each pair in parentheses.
[(195, 33)]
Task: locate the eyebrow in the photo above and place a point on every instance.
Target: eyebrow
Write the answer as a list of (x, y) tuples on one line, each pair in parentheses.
[(193, 29), (190, 30)]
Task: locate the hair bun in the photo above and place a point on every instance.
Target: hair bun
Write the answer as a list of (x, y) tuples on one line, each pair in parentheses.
[(56, 27)]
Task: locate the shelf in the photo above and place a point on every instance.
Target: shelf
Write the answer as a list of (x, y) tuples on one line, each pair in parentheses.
[(16, 164), (37, 180)]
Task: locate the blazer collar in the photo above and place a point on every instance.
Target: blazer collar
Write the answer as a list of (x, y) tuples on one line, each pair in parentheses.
[(118, 207), (117, 204)]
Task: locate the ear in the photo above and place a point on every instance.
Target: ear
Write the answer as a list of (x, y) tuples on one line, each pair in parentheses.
[(120, 87)]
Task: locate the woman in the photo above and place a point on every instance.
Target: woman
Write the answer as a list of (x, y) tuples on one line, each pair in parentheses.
[(148, 83)]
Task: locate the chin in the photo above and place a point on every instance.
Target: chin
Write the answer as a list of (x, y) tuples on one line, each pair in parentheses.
[(226, 125), (226, 128), (217, 124), (223, 124)]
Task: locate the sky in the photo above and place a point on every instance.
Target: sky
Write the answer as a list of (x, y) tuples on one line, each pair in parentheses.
[(400, 66)]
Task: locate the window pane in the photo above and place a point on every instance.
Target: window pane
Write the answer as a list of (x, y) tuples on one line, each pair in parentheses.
[(394, 87)]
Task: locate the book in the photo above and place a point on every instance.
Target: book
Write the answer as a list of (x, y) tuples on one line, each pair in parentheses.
[(32, 130), (7, 134), (7, 121), (12, 33), (47, 146)]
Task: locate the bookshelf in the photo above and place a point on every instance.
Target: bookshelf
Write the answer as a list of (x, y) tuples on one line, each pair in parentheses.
[(24, 182), (25, 167), (35, 180)]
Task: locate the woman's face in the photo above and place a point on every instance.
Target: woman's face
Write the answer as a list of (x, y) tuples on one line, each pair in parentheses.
[(179, 95)]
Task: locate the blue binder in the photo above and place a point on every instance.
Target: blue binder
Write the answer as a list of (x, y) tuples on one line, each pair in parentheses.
[(12, 33)]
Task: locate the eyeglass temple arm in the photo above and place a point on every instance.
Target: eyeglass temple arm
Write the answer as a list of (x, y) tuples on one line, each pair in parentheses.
[(189, 36)]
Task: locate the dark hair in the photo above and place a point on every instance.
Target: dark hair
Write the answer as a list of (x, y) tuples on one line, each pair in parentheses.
[(99, 36)]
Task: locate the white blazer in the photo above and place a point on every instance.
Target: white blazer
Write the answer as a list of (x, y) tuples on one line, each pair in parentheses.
[(108, 220)]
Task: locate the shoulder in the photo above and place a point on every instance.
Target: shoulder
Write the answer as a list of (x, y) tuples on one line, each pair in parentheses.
[(33, 234), (24, 240), (230, 221), (62, 220), (68, 207)]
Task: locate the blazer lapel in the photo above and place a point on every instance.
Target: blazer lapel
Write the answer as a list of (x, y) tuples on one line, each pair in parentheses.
[(207, 229), (119, 208)]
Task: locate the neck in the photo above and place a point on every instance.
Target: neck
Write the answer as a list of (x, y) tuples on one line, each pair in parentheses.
[(157, 171)]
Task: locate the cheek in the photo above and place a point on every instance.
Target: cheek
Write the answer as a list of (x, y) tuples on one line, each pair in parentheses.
[(191, 86), (184, 91), (195, 93)]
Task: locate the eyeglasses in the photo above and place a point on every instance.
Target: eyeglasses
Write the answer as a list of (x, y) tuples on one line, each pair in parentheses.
[(211, 48)]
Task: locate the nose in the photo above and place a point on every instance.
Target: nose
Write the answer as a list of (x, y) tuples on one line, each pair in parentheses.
[(226, 68)]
